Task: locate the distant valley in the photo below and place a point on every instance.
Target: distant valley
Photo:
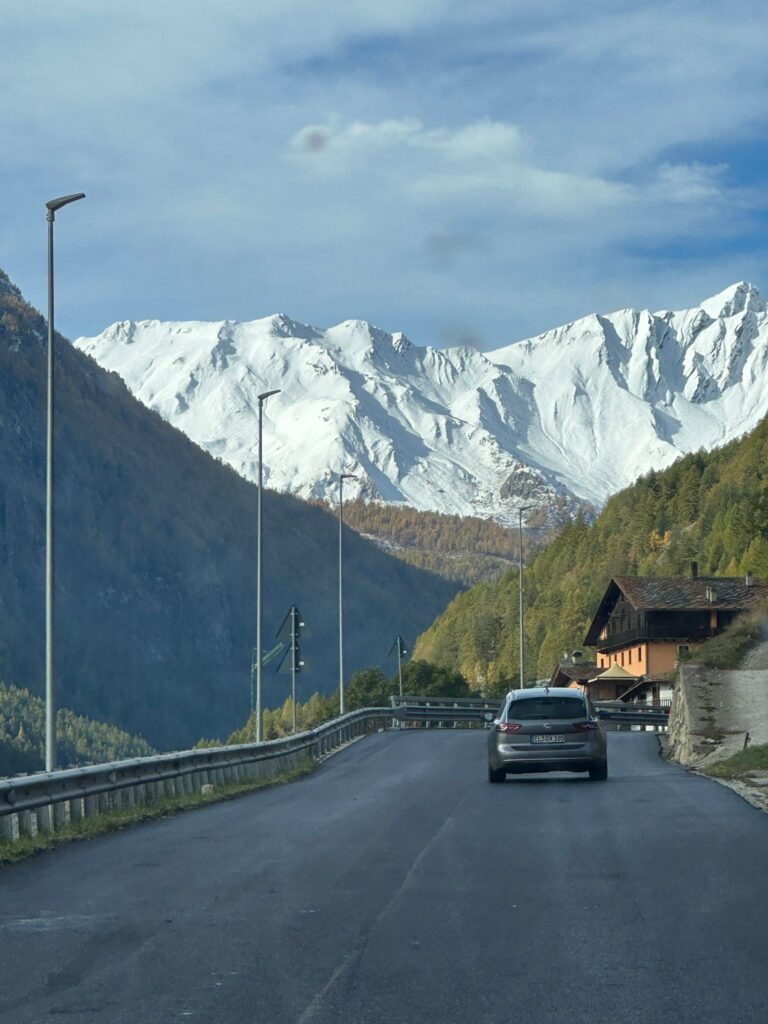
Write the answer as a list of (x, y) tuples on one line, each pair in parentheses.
[(156, 559)]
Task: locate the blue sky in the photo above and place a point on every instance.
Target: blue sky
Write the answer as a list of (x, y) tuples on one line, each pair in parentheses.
[(463, 175)]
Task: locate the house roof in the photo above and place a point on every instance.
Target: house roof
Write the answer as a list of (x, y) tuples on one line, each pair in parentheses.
[(676, 593), (578, 673), (613, 673)]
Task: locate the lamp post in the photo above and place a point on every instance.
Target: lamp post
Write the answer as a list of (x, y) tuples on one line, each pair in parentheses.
[(50, 697), (259, 551), (523, 508), (342, 478)]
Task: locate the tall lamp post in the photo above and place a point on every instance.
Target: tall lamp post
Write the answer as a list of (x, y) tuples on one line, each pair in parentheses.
[(524, 508), (259, 587), (342, 478), (50, 696)]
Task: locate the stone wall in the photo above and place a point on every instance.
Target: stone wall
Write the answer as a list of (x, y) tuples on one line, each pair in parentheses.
[(716, 712)]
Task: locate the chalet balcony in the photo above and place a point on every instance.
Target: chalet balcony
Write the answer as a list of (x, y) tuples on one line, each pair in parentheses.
[(679, 629)]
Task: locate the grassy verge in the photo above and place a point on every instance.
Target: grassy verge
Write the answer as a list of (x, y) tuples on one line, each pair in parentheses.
[(114, 821), (753, 759), (728, 649)]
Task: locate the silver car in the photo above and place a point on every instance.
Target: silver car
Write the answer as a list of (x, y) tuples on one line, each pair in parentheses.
[(547, 729)]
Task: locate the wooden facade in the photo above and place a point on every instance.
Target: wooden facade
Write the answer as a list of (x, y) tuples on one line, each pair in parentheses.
[(644, 624)]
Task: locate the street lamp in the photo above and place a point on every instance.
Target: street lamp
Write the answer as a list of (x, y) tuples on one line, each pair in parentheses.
[(523, 508), (342, 478), (50, 707), (259, 551)]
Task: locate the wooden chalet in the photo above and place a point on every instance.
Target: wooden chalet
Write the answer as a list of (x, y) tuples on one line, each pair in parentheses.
[(644, 623)]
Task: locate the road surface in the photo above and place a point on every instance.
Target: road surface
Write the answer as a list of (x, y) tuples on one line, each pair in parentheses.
[(395, 886)]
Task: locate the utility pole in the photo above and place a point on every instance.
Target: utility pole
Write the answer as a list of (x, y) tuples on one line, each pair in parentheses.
[(294, 621), (399, 646)]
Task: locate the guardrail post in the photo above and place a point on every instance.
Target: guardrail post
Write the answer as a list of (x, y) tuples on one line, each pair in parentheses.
[(77, 807), (28, 823), (9, 827), (62, 814), (45, 821)]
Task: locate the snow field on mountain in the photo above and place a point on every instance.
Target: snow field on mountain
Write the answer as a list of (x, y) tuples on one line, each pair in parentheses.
[(579, 411)]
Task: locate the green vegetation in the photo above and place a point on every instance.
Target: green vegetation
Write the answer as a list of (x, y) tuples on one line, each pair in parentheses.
[(367, 688), (80, 740), (464, 549), (115, 820), (729, 648), (708, 507), (751, 759)]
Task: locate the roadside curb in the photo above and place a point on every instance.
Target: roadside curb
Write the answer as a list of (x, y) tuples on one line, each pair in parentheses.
[(755, 795)]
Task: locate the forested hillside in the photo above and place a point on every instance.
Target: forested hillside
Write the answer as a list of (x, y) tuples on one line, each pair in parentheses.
[(80, 740), (461, 548), (156, 559), (708, 507)]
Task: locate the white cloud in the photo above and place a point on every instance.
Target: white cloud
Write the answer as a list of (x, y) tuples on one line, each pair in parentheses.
[(438, 166)]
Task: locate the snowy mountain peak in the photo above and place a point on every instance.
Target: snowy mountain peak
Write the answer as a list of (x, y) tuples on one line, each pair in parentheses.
[(570, 416), (739, 298)]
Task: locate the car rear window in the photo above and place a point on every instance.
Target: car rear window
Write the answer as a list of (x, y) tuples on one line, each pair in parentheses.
[(530, 708)]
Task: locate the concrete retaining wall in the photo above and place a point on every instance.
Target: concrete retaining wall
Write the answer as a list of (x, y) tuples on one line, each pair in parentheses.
[(716, 712)]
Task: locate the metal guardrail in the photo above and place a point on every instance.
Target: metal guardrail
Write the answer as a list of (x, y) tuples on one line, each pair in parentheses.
[(50, 800), (443, 710), (651, 713), (468, 710)]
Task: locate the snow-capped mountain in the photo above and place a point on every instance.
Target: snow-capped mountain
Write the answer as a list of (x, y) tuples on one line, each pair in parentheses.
[(574, 414)]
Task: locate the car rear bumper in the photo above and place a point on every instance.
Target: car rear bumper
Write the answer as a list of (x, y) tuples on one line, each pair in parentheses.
[(579, 759)]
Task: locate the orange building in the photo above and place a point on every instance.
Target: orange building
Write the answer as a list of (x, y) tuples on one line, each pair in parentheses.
[(644, 623)]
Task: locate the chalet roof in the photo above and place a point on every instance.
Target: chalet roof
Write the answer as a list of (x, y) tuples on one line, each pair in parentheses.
[(578, 673), (676, 593)]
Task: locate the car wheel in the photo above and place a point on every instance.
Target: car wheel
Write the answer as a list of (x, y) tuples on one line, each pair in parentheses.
[(496, 774), (599, 772)]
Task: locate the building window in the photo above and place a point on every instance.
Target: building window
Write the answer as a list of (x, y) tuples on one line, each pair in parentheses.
[(622, 658), (639, 653), (629, 662)]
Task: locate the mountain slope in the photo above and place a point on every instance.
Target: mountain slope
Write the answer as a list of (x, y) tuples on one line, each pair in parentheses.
[(709, 507), (568, 417), (79, 740), (155, 573)]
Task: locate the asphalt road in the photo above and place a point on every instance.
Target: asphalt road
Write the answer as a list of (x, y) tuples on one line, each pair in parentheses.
[(395, 886)]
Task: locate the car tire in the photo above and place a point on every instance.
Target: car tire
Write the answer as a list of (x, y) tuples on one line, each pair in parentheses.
[(496, 774), (599, 772)]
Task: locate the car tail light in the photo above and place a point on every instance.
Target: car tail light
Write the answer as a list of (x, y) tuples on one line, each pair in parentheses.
[(585, 726), (508, 727)]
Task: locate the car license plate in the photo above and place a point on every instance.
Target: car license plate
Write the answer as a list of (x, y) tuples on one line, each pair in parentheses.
[(548, 738)]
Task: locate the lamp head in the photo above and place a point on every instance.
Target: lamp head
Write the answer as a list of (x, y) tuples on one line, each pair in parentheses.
[(266, 394), (56, 204)]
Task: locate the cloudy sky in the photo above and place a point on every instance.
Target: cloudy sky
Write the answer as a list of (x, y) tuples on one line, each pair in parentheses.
[(466, 173)]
